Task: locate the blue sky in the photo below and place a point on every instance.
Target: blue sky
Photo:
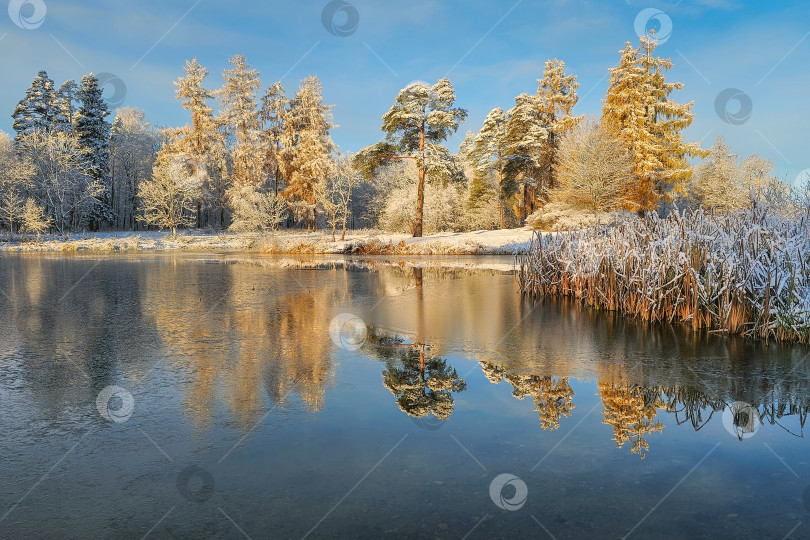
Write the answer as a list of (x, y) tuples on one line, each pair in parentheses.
[(490, 50)]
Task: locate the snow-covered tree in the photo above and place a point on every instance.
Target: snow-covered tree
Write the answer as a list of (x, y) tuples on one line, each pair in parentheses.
[(63, 180), (168, 199), (36, 111), (65, 107), (334, 193), (255, 210), (308, 147), (526, 138), (93, 132), (639, 106), (132, 154), (16, 179), (724, 181), (557, 95), (487, 154), (593, 168), (202, 140), (33, 219), (274, 115), (422, 118), (239, 116)]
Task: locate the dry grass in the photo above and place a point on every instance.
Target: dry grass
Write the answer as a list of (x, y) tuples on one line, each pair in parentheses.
[(744, 273)]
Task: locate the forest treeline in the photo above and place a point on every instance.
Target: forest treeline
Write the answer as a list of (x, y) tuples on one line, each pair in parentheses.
[(256, 159)]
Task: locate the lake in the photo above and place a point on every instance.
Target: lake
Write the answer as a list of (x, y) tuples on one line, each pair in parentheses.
[(234, 396)]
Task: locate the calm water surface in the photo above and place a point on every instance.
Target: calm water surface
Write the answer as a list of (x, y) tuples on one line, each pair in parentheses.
[(204, 396)]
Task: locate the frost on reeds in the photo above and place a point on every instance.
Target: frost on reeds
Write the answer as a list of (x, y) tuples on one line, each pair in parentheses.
[(744, 272)]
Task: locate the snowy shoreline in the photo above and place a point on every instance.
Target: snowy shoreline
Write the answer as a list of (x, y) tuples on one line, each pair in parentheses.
[(361, 242)]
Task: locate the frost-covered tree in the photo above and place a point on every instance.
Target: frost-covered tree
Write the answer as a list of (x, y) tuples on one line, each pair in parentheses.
[(36, 111), (526, 137), (33, 219), (132, 154), (488, 156), (65, 106), (421, 119), (275, 113), (93, 132), (557, 95), (239, 116), (724, 181), (593, 169), (16, 179), (168, 199), (202, 140), (254, 210), (63, 181), (308, 147), (639, 106), (334, 193)]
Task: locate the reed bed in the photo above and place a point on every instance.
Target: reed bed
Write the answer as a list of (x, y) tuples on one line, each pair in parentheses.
[(740, 273)]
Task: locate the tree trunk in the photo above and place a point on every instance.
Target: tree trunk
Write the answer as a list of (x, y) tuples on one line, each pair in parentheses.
[(420, 189)]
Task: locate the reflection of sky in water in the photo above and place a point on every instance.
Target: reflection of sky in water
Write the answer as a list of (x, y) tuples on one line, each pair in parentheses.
[(232, 370)]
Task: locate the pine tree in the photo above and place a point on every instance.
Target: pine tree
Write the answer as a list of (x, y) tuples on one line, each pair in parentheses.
[(239, 116), (557, 94), (526, 137), (35, 112), (275, 114), (93, 132), (488, 157), (65, 107), (201, 140), (308, 146), (422, 117), (639, 107)]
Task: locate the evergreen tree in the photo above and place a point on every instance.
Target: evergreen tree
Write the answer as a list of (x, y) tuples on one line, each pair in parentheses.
[(557, 93), (526, 137), (487, 155), (639, 107), (239, 116), (275, 116), (36, 111), (65, 109), (93, 132), (422, 117), (308, 146), (201, 140)]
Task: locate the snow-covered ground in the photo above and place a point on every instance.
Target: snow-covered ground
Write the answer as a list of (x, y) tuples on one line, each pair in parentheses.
[(366, 242)]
